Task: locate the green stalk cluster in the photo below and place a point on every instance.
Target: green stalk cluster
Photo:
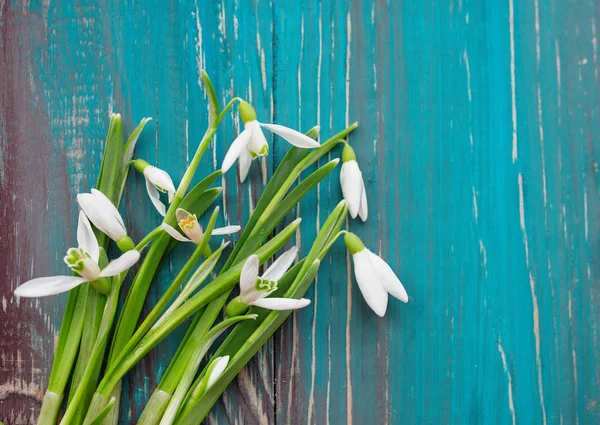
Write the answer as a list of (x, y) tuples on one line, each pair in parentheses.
[(91, 364)]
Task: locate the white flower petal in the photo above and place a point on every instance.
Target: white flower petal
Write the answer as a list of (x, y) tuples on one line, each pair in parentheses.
[(174, 233), (351, 182), (363, 211), (245, 163), (124, 262), (388, 278), (220, 364), (182, 214), (236, 148), (44, 286), (154, 195), (102, 213), (159, 178), (258, 142), (248, 278), (281, 265), (368, 283), (280, 304), (292, 136), (86, 238), (227, 230)]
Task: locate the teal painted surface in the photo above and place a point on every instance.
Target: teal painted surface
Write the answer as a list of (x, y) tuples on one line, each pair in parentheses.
[(477, 138)]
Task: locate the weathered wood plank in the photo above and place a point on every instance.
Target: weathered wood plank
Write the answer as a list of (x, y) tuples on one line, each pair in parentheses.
[(476, 138)]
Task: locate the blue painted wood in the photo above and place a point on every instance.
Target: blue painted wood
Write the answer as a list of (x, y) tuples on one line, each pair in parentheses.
[(477, 141)]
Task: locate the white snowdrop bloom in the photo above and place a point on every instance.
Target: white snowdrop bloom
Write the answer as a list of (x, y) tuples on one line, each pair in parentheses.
[(188, 223), (105, 216), (157, 181), (83, 260), (353, 186), (375, 277), (251, 143), (254, 290)]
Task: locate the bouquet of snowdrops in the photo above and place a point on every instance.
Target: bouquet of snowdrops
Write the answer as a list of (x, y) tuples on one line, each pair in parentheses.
[(97, 345)]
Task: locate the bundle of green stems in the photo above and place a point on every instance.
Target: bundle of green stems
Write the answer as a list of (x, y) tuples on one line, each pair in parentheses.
[(100, 341)]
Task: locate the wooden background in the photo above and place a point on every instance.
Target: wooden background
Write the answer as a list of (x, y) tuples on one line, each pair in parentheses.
[(478, 136)]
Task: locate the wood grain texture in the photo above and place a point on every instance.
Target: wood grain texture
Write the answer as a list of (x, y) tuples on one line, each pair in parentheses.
[(478, 141)]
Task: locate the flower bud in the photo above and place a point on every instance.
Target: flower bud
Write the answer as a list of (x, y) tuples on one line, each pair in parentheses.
[(353, 243), (247, 112), (140, 165), (348, 154)]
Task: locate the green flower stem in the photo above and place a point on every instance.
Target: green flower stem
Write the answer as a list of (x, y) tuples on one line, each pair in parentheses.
[(159, 400), (191, 170), (228, 106), (193, 365), (171, 290), (217, 287), (199, 402), (66, 352), (141, 283), (155, 408), (91, 327), (148, 238), (169, 384), (247, 338), (97, 353), (50, 408), (76, 310), (199, 276)]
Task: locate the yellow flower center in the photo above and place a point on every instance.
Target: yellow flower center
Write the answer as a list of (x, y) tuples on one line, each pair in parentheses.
[(188, 222)]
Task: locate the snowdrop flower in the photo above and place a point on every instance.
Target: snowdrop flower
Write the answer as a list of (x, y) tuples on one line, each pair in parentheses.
[(105, 216), (254, 290), (374, 276), (157, 180), (251, 143), (188, 223), (353, 186), (83, 260)]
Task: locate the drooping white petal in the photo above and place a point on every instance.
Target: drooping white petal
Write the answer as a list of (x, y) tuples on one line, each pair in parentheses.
[(160, 179), (363, 211), (44, 286), (281, 265), (174, 233), (227, 230), (103, 214), (219, 367), (236, 148), (292, 136), (248, 278), (245, 163), (388, 278), (124, 262), (258, 142), (351, 182), (280, 304), (86, 238), (368, 283), (155, 198)]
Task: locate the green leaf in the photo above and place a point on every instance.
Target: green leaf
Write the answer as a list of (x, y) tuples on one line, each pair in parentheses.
[(128, 152), (195, 410), (111, 169), (247, 338), (191, 198), (103, 413), (192, 366), (213, 104)]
